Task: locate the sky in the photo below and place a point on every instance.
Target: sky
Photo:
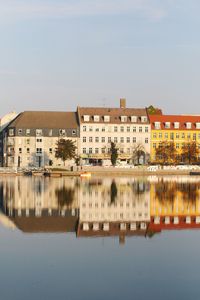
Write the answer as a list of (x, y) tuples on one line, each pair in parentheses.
[(57, 54)]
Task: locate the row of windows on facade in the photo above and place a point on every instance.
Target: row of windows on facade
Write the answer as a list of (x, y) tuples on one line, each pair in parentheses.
[(39, 132), (181, 135), (104, 150), (106, 118), (117, 128), (38, 150), (177, 145), (114, 139), (114, 215), (116, 204), (176, 125)]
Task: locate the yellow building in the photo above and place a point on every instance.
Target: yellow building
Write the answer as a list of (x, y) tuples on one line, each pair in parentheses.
[(181, 130)]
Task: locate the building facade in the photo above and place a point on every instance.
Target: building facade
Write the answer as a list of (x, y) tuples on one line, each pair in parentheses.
[(30, 140), (179, 130), (127, 128)]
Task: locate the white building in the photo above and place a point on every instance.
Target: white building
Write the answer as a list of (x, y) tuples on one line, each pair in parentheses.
[(127, 128)]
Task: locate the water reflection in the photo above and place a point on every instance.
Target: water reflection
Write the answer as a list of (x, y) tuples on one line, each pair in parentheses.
[(100, 207)]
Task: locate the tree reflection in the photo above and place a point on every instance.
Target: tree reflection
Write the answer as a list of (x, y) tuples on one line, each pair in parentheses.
[(65, 196), (113, 192)]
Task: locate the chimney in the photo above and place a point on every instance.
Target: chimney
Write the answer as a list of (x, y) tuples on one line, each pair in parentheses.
[(122, 103)]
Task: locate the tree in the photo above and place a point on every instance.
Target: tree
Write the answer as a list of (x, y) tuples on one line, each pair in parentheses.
[(113, 192), (190, 152), (66, 150), (65, 196), (138, 152), (166, 153), (114, 154)]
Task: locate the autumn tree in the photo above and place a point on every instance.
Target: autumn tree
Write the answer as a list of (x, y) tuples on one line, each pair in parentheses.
[(138, 152), (66, 150), (190, 152), (166, 153)]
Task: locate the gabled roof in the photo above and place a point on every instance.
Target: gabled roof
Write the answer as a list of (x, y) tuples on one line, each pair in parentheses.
[(45, 119), (181, 119), (114, 113)]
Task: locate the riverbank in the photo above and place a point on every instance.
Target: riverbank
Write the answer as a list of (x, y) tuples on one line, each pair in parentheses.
[(102, 171)]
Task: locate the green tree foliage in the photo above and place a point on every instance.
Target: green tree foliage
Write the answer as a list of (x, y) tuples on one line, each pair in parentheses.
[(153, 110), (66, 150), (65, 197), (114, 154)]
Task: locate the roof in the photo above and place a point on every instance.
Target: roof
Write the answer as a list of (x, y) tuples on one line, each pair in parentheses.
[(182, 119), (45, 119), (114, 113), (46, 224)]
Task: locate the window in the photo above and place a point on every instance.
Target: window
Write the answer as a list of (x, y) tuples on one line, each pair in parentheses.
[(103, 150), (123, 118), (106, 118), (90, 139), (20, 150), (103, 139), (96, 139), (188, 125), (122, 140), (62, 132), (154, 145), (96, 118), (39, 140), (177, 146), (97, 129), (28, 141), (50, 132), (84, 150), (38, 150), (84, 128), (96, 150), (134, 128), (157, 125), (146, 129), (19, 131), (183, 135), (154, 135), (90, 128), (177, 135), (166, 135), (28, 150), (50, 150), (128, 139), (115, 140), (176, 125), (194, 137), (86, 118), (122, 128), (134, 139), (198, 125), (84, 139), (128, 129), (38, 132), (109, 139), (103, 129), (28, 131), (73, 131), (90, 150), (160, 135), (143, 119), (11, 132), (171, 135), (133, 119), (140, 129), (146, 140), (167, 125)]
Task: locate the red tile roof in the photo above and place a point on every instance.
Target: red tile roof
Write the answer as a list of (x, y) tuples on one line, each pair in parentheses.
[(182, 119)]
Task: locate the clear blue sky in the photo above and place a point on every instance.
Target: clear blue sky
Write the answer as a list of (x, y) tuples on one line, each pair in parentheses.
[(57, 54)]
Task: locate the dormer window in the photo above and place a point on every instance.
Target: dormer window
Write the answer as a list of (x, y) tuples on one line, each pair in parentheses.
[(96, 118), (38, 132), (188, 125), (176, 125), (134, 119), (143, 119), (197, 125), (167, 125), (123, 118), (106, 118), (86, 118), (157, 125), (62, 132)]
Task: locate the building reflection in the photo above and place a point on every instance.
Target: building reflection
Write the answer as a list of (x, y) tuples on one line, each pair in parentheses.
[(122, 207)]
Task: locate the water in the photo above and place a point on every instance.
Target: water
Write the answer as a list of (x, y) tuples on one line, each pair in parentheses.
[(71, 239)]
